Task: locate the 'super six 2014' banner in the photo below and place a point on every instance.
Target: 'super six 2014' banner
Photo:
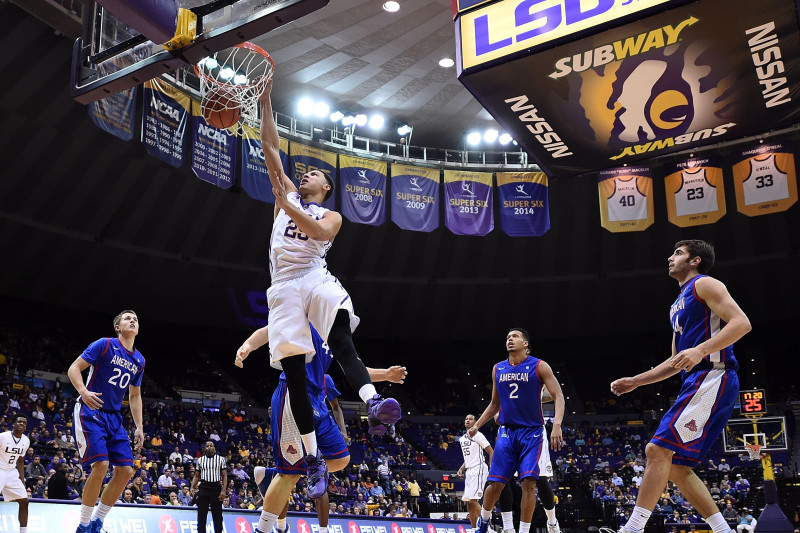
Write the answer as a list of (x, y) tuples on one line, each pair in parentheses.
[(698, 73), (53, 517)]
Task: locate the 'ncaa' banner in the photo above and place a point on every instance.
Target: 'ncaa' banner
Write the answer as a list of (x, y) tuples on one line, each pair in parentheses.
[(164, 120), (303, 159), (626, 199), (524, 206), (114, 114), (699, 73), (213, 151), (468, 208), (415, 197), (363, 194), (695, 192), (765, 180), (255, 178)]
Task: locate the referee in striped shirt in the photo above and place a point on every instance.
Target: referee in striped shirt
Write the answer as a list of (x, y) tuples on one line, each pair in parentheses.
[(212, 475)]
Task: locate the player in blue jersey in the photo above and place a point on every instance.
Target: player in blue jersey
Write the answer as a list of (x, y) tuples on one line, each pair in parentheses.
[(115, 366), (517, 396), (706, 322), (276, 484)]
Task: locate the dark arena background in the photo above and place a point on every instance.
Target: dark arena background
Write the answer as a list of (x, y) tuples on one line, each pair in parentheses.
[(91, 225)]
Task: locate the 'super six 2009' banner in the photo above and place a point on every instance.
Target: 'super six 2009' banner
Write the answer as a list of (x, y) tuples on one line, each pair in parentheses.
[(695, 74)]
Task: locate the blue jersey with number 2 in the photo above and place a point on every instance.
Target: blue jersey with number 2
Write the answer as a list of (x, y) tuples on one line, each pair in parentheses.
[(520, 391), (113, 370)]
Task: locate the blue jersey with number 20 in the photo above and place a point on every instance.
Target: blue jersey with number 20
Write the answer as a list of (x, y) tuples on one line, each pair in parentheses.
[(113, 370)]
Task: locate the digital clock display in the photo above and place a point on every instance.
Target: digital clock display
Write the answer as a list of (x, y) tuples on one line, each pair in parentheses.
[(753, 401)]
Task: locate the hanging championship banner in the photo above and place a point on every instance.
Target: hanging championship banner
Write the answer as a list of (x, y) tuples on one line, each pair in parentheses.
[(213, 151), (363, 194), (255, 179), (468, 206), (695, 192), (114, 114), (693, 74), (303, 158), (415, 197), (626, 199), (165, 117), (524, 206), (765, 180)]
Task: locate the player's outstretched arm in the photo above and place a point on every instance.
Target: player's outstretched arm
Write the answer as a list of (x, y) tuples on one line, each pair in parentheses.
[(91, 399), (393, 374), (135, 401), (492, 409), (552, 384), (259, 338), (716, 296), (270, 144), (659, 373)]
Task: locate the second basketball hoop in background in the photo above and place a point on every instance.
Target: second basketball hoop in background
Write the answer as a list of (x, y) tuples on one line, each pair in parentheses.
[(231, 81)]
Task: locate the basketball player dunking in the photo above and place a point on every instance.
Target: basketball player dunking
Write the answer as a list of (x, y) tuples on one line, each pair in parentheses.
[(705, 323), (517, 395)]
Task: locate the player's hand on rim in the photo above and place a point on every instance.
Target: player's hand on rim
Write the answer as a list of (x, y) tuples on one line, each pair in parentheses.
[(264, 97), (92, 399)]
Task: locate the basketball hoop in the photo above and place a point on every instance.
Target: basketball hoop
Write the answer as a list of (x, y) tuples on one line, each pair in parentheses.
[(754, 451), (233, 79)]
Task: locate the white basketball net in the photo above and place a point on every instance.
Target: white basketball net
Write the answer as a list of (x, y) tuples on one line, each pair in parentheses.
[(240, 73), (753, 451)]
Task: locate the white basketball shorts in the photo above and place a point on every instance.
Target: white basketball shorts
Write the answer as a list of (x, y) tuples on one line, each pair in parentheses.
[(12, 485), (316, 298), (545, 466), (474, 481)]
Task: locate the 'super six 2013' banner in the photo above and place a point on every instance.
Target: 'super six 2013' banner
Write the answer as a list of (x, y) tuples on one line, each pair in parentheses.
[(697, 73)]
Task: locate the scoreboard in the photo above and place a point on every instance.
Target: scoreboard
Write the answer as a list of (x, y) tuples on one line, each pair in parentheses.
[(752, 402)]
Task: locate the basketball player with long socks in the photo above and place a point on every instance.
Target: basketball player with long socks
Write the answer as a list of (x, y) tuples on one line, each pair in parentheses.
[(706, 322), (517, 397), (303, 291)]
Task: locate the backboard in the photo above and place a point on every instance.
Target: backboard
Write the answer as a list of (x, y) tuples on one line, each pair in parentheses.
[(110, 56), (769, 432)]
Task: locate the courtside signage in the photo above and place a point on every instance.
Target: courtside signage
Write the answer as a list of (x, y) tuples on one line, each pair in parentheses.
[(509, 26)]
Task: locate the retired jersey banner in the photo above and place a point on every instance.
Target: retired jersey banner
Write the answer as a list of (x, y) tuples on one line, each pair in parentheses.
[(363, 194), (255, 178), (524, 206), (164, 120), (626, 199), (114, 114), (303, 159), (694, 74), (695, 192), (765, 180), (415, 197), (213, 151), (469, 208)]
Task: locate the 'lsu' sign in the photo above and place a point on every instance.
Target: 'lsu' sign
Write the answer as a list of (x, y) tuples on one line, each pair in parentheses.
[(509, 26)]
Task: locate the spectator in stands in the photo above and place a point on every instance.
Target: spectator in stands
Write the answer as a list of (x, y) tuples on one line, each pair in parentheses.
[(57, 488), (239, 473), (35, 469), (616, 480), (724, 466), (74, 484), (746, 521), (742, 487), (173, 499), (127, 496), (176, 456), (730, 514), (165, 482), (185, 497)]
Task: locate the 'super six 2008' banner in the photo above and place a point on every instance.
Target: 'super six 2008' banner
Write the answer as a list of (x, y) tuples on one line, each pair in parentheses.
[(695, 74), (53, 517)]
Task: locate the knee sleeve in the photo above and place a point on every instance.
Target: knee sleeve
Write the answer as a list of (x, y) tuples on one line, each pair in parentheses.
[(545, 493)]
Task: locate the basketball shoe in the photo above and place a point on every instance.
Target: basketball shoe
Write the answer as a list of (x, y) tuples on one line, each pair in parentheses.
[(382, 412), (482, 526), (555, 528), (317, 471)]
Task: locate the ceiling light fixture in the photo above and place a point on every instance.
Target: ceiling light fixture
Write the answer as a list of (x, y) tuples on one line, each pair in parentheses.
[(321, 109), (391, 6), (504, 139), (446, 62), (361, 119), (473, 138), (404, 130), (305, 106), (336, 116), (490, 135), (376, 122), (349, 120)]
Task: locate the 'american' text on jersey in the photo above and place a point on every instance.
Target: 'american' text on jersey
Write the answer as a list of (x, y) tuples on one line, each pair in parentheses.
[(124, 363), (514, 376)]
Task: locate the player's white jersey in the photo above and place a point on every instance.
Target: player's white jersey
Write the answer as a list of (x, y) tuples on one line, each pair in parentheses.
[(696, 194), (473, 449), (627, 202), (12, 449), (766, 183), (292, 252)]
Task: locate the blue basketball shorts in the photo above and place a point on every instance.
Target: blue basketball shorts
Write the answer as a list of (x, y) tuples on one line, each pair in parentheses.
[(287, 446), (101, 436), (698, 417), (517, 449)]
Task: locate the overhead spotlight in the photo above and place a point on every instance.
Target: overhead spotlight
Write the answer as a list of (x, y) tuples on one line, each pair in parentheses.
[(336, 116), (490, 135), (240, 79), (376, 122), (321, 109), (505, 139), (305, 106), (209, 62), (403, 130), (227, 73), (349, 120), (473, 138), (514, 142), (391, 6), (361, 119), (446, 62)]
